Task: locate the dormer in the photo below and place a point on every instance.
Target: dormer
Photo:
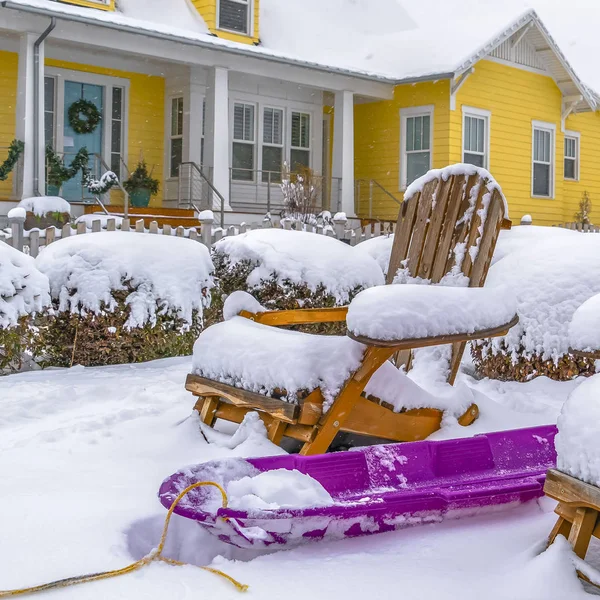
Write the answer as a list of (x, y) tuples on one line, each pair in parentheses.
[(235, 20), (101, 4)]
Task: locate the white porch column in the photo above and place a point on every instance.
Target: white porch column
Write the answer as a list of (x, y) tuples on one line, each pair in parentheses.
[(216, 140), (25, 113), (343, 149), (193, 152)]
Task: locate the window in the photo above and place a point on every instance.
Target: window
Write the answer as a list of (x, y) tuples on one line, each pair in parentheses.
[(300, 141), (571, 156), (116, 149), (49, 110), (272, 148), (176, 153), (243, 142), (417, 141), (543, 160), (234, 15), (476, 137)]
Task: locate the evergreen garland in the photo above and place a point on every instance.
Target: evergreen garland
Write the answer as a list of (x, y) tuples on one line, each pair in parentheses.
[(58, 172), (103, 185), (14, 152)]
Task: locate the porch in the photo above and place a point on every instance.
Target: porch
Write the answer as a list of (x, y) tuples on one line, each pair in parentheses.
[(218, 137)]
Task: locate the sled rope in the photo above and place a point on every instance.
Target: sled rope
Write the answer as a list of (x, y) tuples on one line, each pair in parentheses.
[(155, 555)]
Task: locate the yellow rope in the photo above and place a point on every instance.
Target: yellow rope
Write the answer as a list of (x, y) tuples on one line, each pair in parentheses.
[(155, 555)]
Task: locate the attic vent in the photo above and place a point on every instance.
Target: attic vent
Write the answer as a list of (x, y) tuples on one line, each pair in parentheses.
[(234, 15)]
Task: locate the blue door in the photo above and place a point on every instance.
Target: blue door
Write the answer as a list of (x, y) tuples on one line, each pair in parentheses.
[(72, 190)]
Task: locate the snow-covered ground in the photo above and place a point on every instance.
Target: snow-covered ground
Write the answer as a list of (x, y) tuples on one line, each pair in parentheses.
[(83, 452)]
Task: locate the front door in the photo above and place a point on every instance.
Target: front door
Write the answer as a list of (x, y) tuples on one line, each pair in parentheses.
[(72, 190)]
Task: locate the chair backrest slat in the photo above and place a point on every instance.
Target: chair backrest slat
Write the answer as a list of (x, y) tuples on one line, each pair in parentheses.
[(440, 232)]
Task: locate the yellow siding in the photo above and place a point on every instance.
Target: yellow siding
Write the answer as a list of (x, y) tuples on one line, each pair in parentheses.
[(9, 70), (146, 117), (377, 138), (515, 98), (588, 125), (92, 4), (208, 11)]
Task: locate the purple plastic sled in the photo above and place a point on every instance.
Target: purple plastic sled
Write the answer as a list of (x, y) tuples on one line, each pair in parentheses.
[(375, 489)]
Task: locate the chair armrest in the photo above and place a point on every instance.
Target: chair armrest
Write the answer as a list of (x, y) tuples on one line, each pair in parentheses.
[(410, 344), (304, 316)]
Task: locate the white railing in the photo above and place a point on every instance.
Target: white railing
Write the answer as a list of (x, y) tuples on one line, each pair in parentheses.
[(32, 242)]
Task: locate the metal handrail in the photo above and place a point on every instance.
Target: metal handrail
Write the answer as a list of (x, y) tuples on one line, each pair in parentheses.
[(119, 184), (372, 183), (209, 183)]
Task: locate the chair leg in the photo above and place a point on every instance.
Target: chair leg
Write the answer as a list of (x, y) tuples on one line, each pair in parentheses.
[(332, 423), (581, 532), (275, 430), (562, 527), (208, 411)]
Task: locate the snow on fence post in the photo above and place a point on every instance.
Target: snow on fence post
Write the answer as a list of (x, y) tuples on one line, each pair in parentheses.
[(154, 227), (206, 218), (139, 226), (339, 223), (180, 231), (166, 229), (16, 218), (526, 220)]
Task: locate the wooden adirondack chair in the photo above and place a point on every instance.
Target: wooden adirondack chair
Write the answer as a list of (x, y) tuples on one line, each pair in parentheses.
[(450, 224)]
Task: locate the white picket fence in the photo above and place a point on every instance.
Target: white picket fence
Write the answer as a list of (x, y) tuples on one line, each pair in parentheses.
[(33, 241)]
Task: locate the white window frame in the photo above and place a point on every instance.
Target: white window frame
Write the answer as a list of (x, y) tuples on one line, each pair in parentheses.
[(54, 111), (173, 136), (250, 24), (478, 113), (405, 114), (108, 82), (261, 137), (550, 127), (254, 142), (577, 137)]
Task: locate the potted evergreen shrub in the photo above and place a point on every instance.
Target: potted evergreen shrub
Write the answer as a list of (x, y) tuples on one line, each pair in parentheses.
[(141, 186)]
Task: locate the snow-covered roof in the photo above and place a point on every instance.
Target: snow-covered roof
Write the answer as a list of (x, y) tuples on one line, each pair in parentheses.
[(393, 40)]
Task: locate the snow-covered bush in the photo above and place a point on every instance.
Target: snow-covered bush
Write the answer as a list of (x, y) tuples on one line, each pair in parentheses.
[(24, 291), (290, 269), (551, 280), (123, 297), (578, 439), (46, 211)]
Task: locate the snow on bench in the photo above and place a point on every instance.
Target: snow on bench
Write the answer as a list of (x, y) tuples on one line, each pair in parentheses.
[(406, 312)]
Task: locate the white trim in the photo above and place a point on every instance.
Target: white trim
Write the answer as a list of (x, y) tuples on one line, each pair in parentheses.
[(577, 136), (250, 32), (551, 127), (486, 115), (406, 113), (171, 136), (515, 65), (108, 83)]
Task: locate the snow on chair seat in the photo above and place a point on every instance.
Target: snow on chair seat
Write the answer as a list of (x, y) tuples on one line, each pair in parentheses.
[(411, 315)]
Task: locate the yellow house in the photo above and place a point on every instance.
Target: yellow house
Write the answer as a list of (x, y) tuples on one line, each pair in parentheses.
[(217, 96)]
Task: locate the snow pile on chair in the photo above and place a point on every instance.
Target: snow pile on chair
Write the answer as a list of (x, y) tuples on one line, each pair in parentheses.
[(551, 280), (24, 291), (291, 269), (578, 439), (43, 205), (127, 296)]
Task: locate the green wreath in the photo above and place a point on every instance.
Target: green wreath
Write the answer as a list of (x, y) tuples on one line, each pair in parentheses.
[(91, 116)]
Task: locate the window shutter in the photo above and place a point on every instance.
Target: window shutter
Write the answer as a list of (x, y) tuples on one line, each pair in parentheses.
[(233, 14)]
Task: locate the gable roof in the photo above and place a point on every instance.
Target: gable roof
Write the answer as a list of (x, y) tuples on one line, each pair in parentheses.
[(391, 40)]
